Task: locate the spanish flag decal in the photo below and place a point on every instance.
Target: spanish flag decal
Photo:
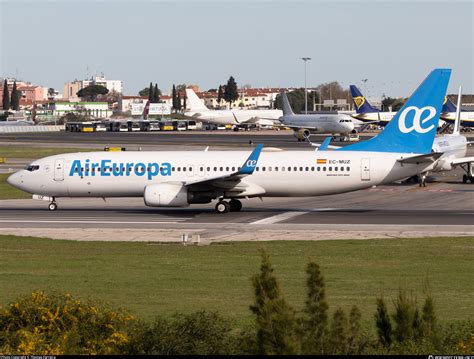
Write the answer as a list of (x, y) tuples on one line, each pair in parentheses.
[(321, 161)]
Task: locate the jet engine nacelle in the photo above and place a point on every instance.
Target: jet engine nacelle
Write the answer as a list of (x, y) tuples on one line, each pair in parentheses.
[(166, 195), (301, 134), (443, 165)]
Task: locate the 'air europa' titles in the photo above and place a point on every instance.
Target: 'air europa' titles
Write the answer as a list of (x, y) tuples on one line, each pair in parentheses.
[(107, 168)]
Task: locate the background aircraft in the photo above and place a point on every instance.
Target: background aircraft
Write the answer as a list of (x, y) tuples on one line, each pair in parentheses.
[(366, 112), (449, 114), (304, 125), (236, 117)]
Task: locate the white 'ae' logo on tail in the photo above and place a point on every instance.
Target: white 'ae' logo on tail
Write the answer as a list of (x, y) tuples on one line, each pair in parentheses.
[(417, 120), (251, 163)]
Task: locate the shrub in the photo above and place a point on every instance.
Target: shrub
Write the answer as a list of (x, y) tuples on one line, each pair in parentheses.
[(61, 324)]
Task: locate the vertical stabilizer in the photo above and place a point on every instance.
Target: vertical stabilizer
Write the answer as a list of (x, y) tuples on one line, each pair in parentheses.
[(413, 128), (193, 102), (457, 120), (285, 104), (360, 102)]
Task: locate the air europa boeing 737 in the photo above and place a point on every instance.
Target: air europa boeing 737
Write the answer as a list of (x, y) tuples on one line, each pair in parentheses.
[(181, 178)]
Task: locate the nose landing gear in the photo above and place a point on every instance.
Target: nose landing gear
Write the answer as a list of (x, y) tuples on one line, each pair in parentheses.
[(53, 205)]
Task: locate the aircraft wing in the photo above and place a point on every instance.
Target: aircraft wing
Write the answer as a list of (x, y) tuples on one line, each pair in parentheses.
[(462, 161), (232, 181)]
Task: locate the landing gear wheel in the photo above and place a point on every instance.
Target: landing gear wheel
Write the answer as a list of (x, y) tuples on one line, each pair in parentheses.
[(235, 205), (464, 179), (222, 207), (53, 206)]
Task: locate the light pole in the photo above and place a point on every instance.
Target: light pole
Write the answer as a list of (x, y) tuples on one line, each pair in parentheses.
[(305, 59)]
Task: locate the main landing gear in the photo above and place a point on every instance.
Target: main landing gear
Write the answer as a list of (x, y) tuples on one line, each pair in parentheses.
[(53, 205), (234, 205), (422, 179)]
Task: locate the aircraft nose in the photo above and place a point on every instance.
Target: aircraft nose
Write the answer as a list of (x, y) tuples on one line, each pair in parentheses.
[(14, 179)]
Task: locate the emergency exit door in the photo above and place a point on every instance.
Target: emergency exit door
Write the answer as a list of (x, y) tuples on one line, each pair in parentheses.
[(59, 169), (365, 169)]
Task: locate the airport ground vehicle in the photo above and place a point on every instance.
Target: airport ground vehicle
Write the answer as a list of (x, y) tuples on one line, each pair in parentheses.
[(99, 126), (191, 125), (79, 126), (179, 125), (351, 137), (166, 126)]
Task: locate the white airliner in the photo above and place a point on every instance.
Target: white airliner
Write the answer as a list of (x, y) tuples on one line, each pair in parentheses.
[(181, 178), (240, 118), (304, 125)]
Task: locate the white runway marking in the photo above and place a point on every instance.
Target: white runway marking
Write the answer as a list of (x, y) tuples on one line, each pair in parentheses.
[(279, 217), (91, 222)]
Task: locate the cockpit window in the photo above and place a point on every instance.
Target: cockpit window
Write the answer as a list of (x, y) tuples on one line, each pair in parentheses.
[(32, 168)]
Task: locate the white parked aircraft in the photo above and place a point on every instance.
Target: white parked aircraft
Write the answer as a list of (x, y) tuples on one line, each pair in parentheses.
[(240, 118), (181, 178), (304, 125)]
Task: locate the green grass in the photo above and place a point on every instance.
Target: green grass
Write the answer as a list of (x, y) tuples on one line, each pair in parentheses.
[(10, 192), (152, 279), (37, 152)]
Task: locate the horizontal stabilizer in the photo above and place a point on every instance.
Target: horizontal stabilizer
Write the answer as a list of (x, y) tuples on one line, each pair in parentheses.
[(462, 161), (426, 158)]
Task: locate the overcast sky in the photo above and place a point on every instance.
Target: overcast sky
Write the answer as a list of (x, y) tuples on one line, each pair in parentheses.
[(392, 44)]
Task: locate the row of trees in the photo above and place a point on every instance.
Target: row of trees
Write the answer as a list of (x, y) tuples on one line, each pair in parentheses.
[(44, 324), (11, 101)]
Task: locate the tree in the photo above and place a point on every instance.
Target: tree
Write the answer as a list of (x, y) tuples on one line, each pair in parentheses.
[(50, 92), (355, 335), (275, 319), (91, 92), (404, 317), (144, 92), (174, 99), (231, 92), (429, 318), (178, 101), (383, 324), (220, 95), (184, 101), (296, 100), (15, 98), (156, 94), (6, 97), (150, 93), (314, 323), (338, 333)]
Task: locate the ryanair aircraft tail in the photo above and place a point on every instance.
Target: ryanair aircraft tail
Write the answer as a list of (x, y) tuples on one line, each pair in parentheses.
[(413, 128), (360, 102), (448, 105)]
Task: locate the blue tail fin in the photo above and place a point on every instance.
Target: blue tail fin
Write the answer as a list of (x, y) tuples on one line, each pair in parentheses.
[(448, 105), (413, 128), (360, 103)]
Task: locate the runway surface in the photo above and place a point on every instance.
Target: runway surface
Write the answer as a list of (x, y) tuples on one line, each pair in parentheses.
[(394, 211)]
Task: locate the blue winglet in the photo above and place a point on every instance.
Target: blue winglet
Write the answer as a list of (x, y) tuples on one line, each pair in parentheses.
[(325, 144), (251, 162)]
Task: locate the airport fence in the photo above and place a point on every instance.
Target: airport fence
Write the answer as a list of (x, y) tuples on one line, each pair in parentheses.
[(24, 129)]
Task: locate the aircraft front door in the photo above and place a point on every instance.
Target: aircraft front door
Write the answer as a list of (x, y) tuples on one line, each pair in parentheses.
[(365, 169), (59, 169)]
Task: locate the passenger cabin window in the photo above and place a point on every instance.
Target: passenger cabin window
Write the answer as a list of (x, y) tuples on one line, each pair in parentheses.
[(32, 168)]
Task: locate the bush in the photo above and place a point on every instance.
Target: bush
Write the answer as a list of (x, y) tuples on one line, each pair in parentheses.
[(200, 333), (61, 324)]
